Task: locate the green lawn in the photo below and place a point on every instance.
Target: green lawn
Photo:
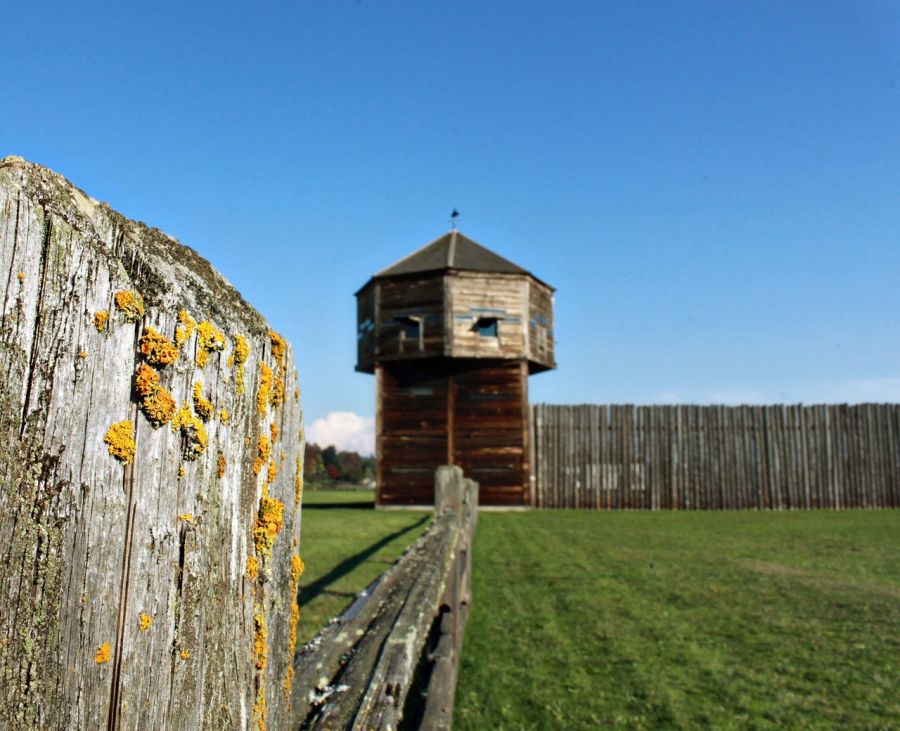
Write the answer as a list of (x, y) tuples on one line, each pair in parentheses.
[(585, 620), (746, 620), (345, 545)]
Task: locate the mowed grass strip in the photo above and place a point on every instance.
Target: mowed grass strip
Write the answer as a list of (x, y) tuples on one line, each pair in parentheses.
[(346, 544), (744, 620)]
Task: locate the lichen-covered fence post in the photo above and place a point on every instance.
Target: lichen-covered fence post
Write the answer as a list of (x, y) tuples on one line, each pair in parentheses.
[(150, 477)]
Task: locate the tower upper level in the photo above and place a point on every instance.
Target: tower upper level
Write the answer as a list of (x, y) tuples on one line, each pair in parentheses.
[(453, 298)]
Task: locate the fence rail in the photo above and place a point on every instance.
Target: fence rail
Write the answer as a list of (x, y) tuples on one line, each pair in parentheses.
[(716, 457), (393, 655)]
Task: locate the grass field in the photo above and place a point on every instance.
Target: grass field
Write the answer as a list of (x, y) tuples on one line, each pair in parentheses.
[(745, 620), (345, 545), (588, 620)]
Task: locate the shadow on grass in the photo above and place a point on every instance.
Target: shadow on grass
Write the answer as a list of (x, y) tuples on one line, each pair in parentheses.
[(366, 505), (320, 585)]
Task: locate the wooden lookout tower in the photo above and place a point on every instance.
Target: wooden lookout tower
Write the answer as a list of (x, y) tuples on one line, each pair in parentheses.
[(452, 333)]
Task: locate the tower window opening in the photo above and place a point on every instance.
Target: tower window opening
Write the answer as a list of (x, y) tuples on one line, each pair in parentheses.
[(411, 331), (486, 327)]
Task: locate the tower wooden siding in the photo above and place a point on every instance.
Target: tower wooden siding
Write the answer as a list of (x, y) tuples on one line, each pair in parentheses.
[(540, 325), (448, 305), (447, 393), (474, 415), (365, 333)]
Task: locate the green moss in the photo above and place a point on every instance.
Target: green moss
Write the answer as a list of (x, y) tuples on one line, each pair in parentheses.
[(30, 503)]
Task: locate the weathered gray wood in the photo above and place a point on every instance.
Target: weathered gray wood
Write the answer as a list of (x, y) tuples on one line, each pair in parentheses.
[(126, 596), (716, 457), (334, 671), (319, 663), (358, 673), (438, 712)]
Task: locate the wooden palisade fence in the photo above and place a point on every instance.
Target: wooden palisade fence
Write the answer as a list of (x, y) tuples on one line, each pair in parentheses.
[(716, 457), (392, 656)]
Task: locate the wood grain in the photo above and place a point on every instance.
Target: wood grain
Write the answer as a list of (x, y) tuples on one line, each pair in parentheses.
[(716, 457), (146, 558)]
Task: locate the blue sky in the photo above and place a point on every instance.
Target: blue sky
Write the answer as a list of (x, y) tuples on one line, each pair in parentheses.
[(713, 188)]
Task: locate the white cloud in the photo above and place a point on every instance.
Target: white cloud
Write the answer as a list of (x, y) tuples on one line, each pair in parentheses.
[(348, 432)]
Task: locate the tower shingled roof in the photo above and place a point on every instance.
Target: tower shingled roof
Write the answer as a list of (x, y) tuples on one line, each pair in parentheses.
[(452, 251)]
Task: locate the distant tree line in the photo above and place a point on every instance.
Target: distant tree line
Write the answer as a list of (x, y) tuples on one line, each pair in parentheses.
[(329, 465)]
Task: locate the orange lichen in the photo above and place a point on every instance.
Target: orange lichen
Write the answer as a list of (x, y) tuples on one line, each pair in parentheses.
[(265, 386), (273, 430), (104, 652), (259, 708), (292, 645), (296, 571), (202, 407), (288, 683), (260, 635), (237, 360), (82, 354), (272, 472), (145, 622), (220, 466), (209, 339), (156, 403), (192, 431), (185, 655), (120, 438), (269, 522), (279, 347), (252, 567), (21, 276), (146, 380), (277, 396), (129, 304), (292, 631), (100, 319), (180, 471), (186, 517), (159, 407), (263, 452), (279, 352), (224, 415), (184, 331), (158, 349)]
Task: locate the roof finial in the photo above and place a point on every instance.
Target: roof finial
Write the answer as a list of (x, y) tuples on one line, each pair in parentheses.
[(453, 217)]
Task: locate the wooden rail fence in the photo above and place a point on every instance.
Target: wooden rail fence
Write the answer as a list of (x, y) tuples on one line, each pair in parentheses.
[(393, 655), (716, 457)]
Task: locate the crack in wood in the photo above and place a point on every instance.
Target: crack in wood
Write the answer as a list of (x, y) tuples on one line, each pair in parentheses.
[(35, 343), (128, 484), (72, 534)]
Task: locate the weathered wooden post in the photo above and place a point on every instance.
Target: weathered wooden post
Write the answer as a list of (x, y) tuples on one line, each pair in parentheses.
[(150, 477), (458, 495)]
